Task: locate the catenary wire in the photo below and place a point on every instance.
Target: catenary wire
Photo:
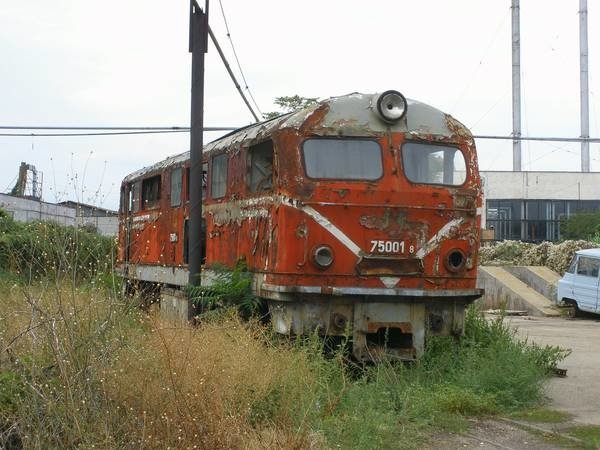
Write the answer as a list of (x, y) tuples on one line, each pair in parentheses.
[(237, 59)]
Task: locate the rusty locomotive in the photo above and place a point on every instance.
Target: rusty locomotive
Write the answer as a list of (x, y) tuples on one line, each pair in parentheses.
[(358, 216)]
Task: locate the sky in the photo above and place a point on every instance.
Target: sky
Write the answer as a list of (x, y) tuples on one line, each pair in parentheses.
[(126, 63)]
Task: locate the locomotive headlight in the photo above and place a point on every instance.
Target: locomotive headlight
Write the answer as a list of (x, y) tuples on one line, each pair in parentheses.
[(391, 106), (455, 260), (323, 256)]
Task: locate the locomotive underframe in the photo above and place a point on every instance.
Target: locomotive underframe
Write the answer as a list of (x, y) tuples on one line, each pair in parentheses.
[(378, 321), (394, 326)]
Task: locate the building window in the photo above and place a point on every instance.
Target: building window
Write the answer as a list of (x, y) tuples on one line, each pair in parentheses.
[(218, 184), (151, 192), (261, 167), (176, 187)]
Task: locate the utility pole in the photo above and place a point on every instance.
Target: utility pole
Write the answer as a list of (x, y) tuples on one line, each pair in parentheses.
[(584, 100), (197, 47), (516, 84)]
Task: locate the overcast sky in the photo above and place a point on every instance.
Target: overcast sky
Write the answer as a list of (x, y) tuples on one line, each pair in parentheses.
[(126, 62)]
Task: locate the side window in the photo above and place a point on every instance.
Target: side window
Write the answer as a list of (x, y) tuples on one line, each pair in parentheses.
[(176, 187), (187, 181), (187, 184), (261, 167), (588, 267), (124, 200), (218, 181), (134, 196), (204, 179), (151, 192)]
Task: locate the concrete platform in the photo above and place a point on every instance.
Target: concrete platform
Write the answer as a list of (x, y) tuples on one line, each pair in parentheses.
[(505, 291), (540, 278)]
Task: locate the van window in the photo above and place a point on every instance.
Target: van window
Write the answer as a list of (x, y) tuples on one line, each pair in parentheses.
[(176, 187), (572, 265), (218, 184), (151, 192), (588, 267), (261, 167)]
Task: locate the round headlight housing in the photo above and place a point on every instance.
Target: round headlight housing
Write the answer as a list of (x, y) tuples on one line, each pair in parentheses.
[(391, 106), (455, 260), (323, 256)]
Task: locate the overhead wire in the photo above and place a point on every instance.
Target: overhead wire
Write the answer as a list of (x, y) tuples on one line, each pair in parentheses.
[(480, 63), (237, 59)]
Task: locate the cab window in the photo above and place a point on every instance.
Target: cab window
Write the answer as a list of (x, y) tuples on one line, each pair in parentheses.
[(342, 159), (433, 164)]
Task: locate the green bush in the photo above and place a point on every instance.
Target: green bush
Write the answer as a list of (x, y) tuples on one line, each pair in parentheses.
[(583, 225), (34, 250)]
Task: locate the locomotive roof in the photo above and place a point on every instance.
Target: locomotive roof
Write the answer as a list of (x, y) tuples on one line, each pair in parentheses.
[(348, 115)]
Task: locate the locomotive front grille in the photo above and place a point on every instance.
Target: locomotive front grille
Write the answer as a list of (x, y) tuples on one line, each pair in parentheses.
[(382, 265)]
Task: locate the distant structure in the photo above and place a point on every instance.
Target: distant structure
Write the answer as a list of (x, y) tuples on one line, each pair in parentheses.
[(24, 209), (529, 206), (29, 182), (24, 204)]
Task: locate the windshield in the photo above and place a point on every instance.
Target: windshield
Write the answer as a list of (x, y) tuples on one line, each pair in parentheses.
[(342, 159), (433, 164)]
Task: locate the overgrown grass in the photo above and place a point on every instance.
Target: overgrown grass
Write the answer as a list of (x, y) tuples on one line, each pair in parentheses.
[(47, 250), (80, 367)]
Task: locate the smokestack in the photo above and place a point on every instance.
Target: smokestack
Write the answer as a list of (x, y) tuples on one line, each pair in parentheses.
[(516, 84), (583, 86)]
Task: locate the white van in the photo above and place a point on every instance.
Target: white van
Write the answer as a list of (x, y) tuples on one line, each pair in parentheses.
[(580, 283)]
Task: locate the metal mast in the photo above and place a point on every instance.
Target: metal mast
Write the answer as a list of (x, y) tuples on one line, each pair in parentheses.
[(197, 47), (516, 84), (583, 86)]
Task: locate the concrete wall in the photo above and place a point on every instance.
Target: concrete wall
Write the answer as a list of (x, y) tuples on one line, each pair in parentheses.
[(541, 185), (106, 226), (26, 210)]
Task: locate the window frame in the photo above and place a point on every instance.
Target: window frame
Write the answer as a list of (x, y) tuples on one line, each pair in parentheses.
[(343, 138), (155, 203), (225, 156), (174, 170), (591, 258), (435, 144), (251, 150)]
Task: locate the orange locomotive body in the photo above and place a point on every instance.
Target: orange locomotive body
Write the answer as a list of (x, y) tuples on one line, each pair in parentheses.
[(357, 216)]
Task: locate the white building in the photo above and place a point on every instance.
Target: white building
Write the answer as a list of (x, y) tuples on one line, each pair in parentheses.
[(25, 209), (528, 206)]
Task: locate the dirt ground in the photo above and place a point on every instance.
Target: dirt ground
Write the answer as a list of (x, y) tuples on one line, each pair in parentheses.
[(578, 394), (491, 434)]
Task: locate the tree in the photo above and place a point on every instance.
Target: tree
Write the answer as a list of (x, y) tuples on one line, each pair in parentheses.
[(583, 225), (289, 104)]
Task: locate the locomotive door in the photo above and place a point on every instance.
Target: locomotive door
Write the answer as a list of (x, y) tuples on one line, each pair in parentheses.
[(131, 206)]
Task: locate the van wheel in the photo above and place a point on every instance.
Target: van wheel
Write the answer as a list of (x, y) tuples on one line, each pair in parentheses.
[(575, 311)]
